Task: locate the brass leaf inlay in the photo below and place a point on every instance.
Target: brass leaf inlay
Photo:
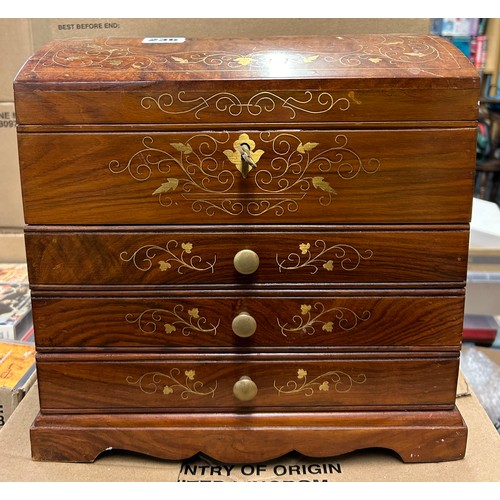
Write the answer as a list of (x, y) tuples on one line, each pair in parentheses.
[(313, 316), (337, 381), (193, 171), (320, 183), (345, 256), (144, 256), (170, 185), (174, 320), (167, 383)]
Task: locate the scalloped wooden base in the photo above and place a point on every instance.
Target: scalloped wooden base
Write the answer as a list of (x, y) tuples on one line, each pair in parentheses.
[(416, 436)]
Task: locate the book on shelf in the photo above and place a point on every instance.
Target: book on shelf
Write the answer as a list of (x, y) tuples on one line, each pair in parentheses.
[(16, 322), (15, 311), (468, 34), (13, 272), (482, 329), (459, 26), (17, 375)]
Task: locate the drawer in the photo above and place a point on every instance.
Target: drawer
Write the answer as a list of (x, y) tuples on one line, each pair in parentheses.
[(342, 255), (124, 383), (345, 176), (343, 320)]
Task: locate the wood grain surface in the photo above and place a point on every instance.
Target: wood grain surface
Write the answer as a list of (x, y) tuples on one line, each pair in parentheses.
[(279, 79), (361, 176), (344, 164), (155, 382), (289, 320), (417, 436), (140, 256)]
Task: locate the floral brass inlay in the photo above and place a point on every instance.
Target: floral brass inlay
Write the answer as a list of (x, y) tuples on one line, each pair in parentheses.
[(173, 321), (382, 50), (337, 381), (262, 102), (348, 257), (311, 315), (152, 382), (196, 171), (143, 257)]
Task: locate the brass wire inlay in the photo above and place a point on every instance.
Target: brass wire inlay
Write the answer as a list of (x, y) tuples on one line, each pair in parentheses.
[(337, 381), (172, 321), (343, 255), (152, 382), (196, 171), (379, 51), (143, 258), (263, 102), (312, 315)]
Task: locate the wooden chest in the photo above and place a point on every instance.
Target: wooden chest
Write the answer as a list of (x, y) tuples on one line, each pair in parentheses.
[(244, 247)]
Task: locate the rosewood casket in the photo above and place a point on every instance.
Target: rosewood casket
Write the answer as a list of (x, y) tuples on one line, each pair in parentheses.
[(244, 247)]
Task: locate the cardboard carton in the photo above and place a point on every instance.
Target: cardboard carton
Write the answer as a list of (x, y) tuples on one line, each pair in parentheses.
[(11, 207), (44, 30), (16, 45)]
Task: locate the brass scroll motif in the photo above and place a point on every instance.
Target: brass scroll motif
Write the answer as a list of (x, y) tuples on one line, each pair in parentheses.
[(337, 381), (198, 172), (152, 382), (348, 257), (143, 257), (312, 315), (262, 102), (173, 321), (382, 50)]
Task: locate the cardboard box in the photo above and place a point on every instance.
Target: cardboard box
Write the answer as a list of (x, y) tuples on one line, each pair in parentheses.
[(12, 248), (44, 30), (483, 276), (17, 375), (11, 207), (16, 45), (481, 367)]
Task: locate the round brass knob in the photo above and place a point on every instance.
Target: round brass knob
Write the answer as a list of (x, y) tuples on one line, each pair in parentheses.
[(245, 389), (246, 261), (244, 325)]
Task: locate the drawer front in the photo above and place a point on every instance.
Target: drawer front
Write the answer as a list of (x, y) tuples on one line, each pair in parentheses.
[(370, 176), (114, 382), (343, 320), (366, 256)]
